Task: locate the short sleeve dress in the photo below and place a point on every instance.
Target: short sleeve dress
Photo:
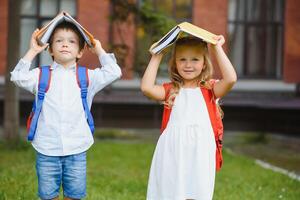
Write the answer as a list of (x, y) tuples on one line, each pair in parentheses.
[(183, 165)]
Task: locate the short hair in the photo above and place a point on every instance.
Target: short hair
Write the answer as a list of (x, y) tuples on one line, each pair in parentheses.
[(68, 26)]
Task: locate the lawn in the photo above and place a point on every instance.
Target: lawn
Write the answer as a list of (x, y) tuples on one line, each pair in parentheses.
[(118, 170)]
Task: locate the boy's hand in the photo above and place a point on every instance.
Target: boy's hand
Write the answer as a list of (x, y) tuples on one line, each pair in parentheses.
[(34, 48), (97, 49)]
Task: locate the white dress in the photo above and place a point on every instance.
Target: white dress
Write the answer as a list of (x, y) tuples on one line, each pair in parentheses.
[(183, 165)]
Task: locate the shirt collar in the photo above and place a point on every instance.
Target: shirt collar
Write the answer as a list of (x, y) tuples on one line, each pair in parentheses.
[(56, 65)]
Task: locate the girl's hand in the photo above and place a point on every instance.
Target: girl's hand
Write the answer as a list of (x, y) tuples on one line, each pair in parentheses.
[(157, 56), (160, 54), (34, 46), (97, 49), (220, 40)]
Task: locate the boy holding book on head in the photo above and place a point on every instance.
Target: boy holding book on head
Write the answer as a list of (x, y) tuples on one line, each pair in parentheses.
[(63, 135)]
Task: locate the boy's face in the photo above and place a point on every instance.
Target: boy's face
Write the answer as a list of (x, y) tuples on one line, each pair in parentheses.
[(65, 47)]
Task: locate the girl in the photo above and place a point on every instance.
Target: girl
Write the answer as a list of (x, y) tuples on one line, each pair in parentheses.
[(184, 161)]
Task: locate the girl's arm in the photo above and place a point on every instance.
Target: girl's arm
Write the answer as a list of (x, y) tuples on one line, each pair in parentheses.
[(222, 87), (148, 86)]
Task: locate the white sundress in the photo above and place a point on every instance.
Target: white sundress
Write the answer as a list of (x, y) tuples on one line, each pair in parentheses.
[(184, 165)]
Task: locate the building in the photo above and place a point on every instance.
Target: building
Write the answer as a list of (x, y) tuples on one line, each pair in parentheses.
[(262, 42)]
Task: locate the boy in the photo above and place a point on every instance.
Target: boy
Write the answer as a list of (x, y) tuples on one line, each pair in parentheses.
[(63, 135)]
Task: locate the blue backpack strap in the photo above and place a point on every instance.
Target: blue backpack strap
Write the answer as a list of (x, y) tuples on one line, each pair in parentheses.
[(83, 82), (43, 85)]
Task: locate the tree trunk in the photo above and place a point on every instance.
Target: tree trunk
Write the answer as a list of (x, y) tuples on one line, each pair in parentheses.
[(11, 103)]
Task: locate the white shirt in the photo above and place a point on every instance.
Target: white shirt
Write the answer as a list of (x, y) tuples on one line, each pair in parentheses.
[(62, 127)]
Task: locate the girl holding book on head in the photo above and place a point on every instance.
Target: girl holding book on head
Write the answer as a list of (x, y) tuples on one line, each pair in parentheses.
[(188, 151)]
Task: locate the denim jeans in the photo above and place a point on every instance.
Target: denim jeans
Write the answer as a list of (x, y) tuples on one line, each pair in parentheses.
[(68, 171)]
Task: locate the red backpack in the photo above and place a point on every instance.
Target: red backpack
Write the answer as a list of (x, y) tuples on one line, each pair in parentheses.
[(214, 115)]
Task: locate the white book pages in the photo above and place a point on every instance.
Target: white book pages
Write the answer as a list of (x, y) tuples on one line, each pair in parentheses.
[(166, 41), (46, 36)]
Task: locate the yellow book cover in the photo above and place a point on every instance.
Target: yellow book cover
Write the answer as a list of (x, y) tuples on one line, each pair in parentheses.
[(184, 27), (45, 32)]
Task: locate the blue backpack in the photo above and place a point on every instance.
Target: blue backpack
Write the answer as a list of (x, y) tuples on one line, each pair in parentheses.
[(43, 86)]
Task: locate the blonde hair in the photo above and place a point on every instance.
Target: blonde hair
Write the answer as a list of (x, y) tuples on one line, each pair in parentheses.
[(176, 79)]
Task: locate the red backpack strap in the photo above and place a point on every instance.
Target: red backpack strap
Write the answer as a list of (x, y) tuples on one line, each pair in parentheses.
[(216, 121), (167, 87), (167, 109)]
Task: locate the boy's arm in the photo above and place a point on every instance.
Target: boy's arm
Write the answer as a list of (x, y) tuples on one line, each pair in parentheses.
[(109, 72), (229, 78), (148, 86), (22, 75), (34, 48)]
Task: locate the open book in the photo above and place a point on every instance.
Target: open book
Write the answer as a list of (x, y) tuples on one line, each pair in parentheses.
[(184, 27), (44, 34)]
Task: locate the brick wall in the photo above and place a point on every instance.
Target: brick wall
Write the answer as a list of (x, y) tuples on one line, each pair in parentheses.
[(94, 16), (291, 69), (3, 34), (125, 32), (212, 16)]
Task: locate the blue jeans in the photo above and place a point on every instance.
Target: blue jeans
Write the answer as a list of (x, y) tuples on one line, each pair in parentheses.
[(68, 171)]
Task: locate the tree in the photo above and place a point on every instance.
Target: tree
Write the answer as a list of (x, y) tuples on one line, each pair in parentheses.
[(147, 20), (11, 103)]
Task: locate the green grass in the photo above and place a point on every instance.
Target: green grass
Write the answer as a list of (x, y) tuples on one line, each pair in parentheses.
[(118, 170)]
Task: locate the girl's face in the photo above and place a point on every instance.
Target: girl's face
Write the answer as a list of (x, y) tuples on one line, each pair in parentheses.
[(189, 63)]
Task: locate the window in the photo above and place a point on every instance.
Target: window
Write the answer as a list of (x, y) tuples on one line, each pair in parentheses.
[(36, 13), (255, 31)]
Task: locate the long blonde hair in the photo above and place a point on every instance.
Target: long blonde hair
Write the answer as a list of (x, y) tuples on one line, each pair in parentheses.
[(176, 79)]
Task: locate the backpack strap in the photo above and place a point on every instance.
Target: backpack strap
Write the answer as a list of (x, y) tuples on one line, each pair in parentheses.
[(167, 109), (83, 82), (43, 86), (216, 122)]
